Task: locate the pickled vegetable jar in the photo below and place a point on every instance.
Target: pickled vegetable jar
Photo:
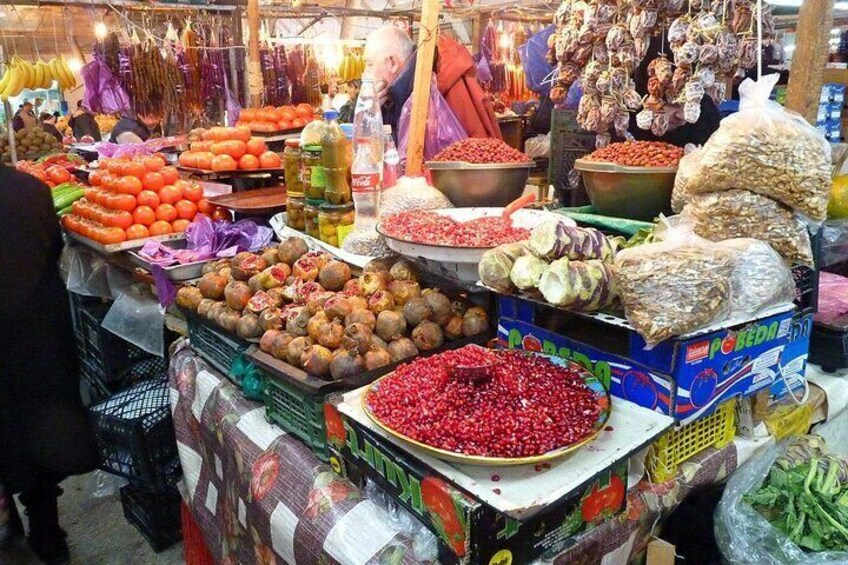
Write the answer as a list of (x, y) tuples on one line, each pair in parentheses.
[(312, 172), (291, 160), (335, 221), (337, 190), (295, 204), (310, 215)]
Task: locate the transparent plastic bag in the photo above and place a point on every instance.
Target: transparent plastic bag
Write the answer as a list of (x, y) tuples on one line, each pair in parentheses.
[(745, 537), (834, 247), (740, 213), (366, 242), (760, 278), (443, 127), (538, 147), (681, 194), (412, 193), (766, 149), (675, 286)]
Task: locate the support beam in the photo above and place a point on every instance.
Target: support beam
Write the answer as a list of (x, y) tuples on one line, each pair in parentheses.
[(476, 33), (815, 19), (254, 67), (428, 36)]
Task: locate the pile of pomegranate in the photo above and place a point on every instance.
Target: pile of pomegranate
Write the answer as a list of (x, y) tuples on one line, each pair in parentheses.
[(527, 406), (417, 226), (307, 309), (480, 151)]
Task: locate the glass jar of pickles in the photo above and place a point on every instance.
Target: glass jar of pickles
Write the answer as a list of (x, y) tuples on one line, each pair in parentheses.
[(310, 215), (291, 160), (295, 204), (312, 172), (335, 221)]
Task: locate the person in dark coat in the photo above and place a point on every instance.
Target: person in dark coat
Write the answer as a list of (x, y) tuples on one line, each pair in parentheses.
[(47, 122), (44, 431), (136, 128), (83, 123), (347, 111)]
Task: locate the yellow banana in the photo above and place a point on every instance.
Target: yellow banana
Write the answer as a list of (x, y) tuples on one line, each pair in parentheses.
[(29, 70), (38, 81), (15, 84), (4, 82), (70, 80), (46, 77), (56, 74)]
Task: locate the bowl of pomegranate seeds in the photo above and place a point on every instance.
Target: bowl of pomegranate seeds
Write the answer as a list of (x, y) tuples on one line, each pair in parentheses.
[(530, 407), (451, 241), (480, 172)]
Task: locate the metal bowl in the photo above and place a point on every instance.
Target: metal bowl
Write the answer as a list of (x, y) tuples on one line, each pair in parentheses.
[(467, 185), (637, 193)]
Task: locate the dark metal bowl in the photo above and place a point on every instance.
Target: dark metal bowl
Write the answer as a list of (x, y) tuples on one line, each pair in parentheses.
[(467, 185), (637, 193)]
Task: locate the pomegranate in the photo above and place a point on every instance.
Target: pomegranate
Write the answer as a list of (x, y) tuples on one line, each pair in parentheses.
[(291, 250), (295, 350), (357, 336), (320, 258), (305, 269), (337, 307), (267, 339), (270, 255), (360, 316), (439, 304), (330, 334), (280, 345), (314, 323), (403, 291), (277, 296), (357, 302), (216, 310), (317, 301), (334, 275), (381, 301), (428, 335), (404, 270), (376, 357), (377, 341), (371, 282), (459, 307), (260, 302), (228, 319), (204, 306), (401, 349), (296, 320), (416, 310), (453, 329), (475, 321), (212, 285), (346, 364), (270, 319), (316, 360), (390, 325), (245, 264), (248, 327), (352, 288), (189, 297), (382, 265), (237, 294), (214, 266)]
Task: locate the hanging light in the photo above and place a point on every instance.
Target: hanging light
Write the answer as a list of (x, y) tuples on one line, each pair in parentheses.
[(75, 65), (505, 41), (100, 31)]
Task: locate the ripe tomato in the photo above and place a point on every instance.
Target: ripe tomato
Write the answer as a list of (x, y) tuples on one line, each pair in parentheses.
[(221, 214), (96, 177), (154, 163), (170, 175), (160, 227), (112, 235), (101, 197), (108, 181), (186, 209), (269, 160), (247, 114), (193, 191), (137, 231), (144, 215), (256, 146), (224, 163), (217, 148), (129, 185), (284, 124), (148, 198), (298, 123), (288, 113), (205, 207), (90, 194), (204, 160), (248, 162), (170, 194), (187, 159), (180, 225), (166, 212), (240, 133), (120, 219), (304, 110), (135, 169), (153, 181), (116, 167), (125, 202), (234, 148)]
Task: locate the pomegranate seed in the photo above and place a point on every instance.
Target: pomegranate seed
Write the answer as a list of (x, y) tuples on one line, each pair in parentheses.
[(496, 478), (608, 428), (496, 490), (431, 228), (529, 407)]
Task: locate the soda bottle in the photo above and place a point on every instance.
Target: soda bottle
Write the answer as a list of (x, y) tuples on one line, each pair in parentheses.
[(368, 157), (391, 158)]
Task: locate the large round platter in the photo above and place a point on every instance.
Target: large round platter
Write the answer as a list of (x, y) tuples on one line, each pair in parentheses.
[(601, 396), (460, 263)]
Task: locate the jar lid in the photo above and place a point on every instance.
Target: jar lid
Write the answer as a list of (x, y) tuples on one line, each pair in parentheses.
[(329, 207), (312, 148), (296, 194), (293, 143), (315, 201)]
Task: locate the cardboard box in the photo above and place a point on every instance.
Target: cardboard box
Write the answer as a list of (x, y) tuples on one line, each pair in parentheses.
[(793, 361), (482, 514), (685, 378)]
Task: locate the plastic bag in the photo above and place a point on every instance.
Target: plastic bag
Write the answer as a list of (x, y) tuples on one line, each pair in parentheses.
[(442, 129), (833, 298), (538, 147), (675, 286), (533, 55), (739, 213), (766, 149), (137, 317), (366, 242), (681, 194), (412, 193), (760, 278), (834, 246), (103, 92), (745, 537)]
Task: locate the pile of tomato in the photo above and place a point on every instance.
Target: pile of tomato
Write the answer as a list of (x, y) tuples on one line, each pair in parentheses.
[(138, 198), (52, 175), (270, 119), (229, 149)]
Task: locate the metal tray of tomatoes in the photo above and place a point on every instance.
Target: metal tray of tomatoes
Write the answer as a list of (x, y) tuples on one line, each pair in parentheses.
[(123, 246), (226, 174)]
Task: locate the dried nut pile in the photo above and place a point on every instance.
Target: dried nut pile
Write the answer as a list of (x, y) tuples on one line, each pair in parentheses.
[(639, 154), (673, 292), (480, 151), (740, 213), (529, 407), (434, 229)]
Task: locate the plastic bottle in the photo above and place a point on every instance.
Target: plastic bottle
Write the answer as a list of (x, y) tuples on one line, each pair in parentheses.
[(335, 148), (368, 157), (391, 159)]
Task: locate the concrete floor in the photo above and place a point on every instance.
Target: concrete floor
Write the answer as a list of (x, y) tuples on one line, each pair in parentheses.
[(98, 533)]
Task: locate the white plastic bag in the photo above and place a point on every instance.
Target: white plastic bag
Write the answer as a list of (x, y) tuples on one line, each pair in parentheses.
[(766, 149)]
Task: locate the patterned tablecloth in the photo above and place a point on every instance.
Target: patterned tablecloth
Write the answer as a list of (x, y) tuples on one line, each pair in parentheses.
[(260, 496)]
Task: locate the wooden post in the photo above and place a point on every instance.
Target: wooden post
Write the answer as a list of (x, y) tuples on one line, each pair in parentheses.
[(808, 61), (254, 67), (476, 32), (428, 36)]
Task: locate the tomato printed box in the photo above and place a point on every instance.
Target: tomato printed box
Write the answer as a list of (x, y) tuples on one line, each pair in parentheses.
[(686, 378), (793, 362), (495, 515)]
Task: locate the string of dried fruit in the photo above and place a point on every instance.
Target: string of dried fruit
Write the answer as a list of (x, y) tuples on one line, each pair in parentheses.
[(111, 52), (281, 64), (188, 60), (295, 72), (269, 78), (312, 80)]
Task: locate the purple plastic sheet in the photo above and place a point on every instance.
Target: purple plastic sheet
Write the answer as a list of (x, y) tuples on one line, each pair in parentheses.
[(103, 92), (533, 55), (443, 127), (833, 298)]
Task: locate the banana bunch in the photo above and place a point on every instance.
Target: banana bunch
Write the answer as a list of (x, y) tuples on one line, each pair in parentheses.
[(21, 74), (352, 66)]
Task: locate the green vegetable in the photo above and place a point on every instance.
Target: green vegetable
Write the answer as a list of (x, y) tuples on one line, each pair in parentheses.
[(66, 199), (64, 211), (805, 495)]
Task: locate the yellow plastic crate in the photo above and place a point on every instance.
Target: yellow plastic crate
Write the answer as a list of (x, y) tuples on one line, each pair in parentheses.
[(676, 446)]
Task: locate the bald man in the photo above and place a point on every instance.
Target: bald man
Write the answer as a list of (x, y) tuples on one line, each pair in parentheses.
[(388, 50)]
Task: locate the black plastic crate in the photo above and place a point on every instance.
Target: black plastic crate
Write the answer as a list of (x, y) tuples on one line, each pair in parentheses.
[(217, 347), (807, 279), (135, 432), (103, 352), (568, 143), (154, 513), (97, 390)]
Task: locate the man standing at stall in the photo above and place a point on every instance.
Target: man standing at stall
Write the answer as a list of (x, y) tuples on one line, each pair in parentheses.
[(390, 62)]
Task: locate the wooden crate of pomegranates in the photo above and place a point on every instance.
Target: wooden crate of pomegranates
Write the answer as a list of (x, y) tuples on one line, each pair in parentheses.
[(320, 328)]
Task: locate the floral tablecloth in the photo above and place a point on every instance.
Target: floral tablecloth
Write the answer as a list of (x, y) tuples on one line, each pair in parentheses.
[(260, 496)]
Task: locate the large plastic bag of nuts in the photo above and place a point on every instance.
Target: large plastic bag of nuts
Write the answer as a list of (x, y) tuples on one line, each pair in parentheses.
[(682, 193), (740, 213), (769, 150)]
